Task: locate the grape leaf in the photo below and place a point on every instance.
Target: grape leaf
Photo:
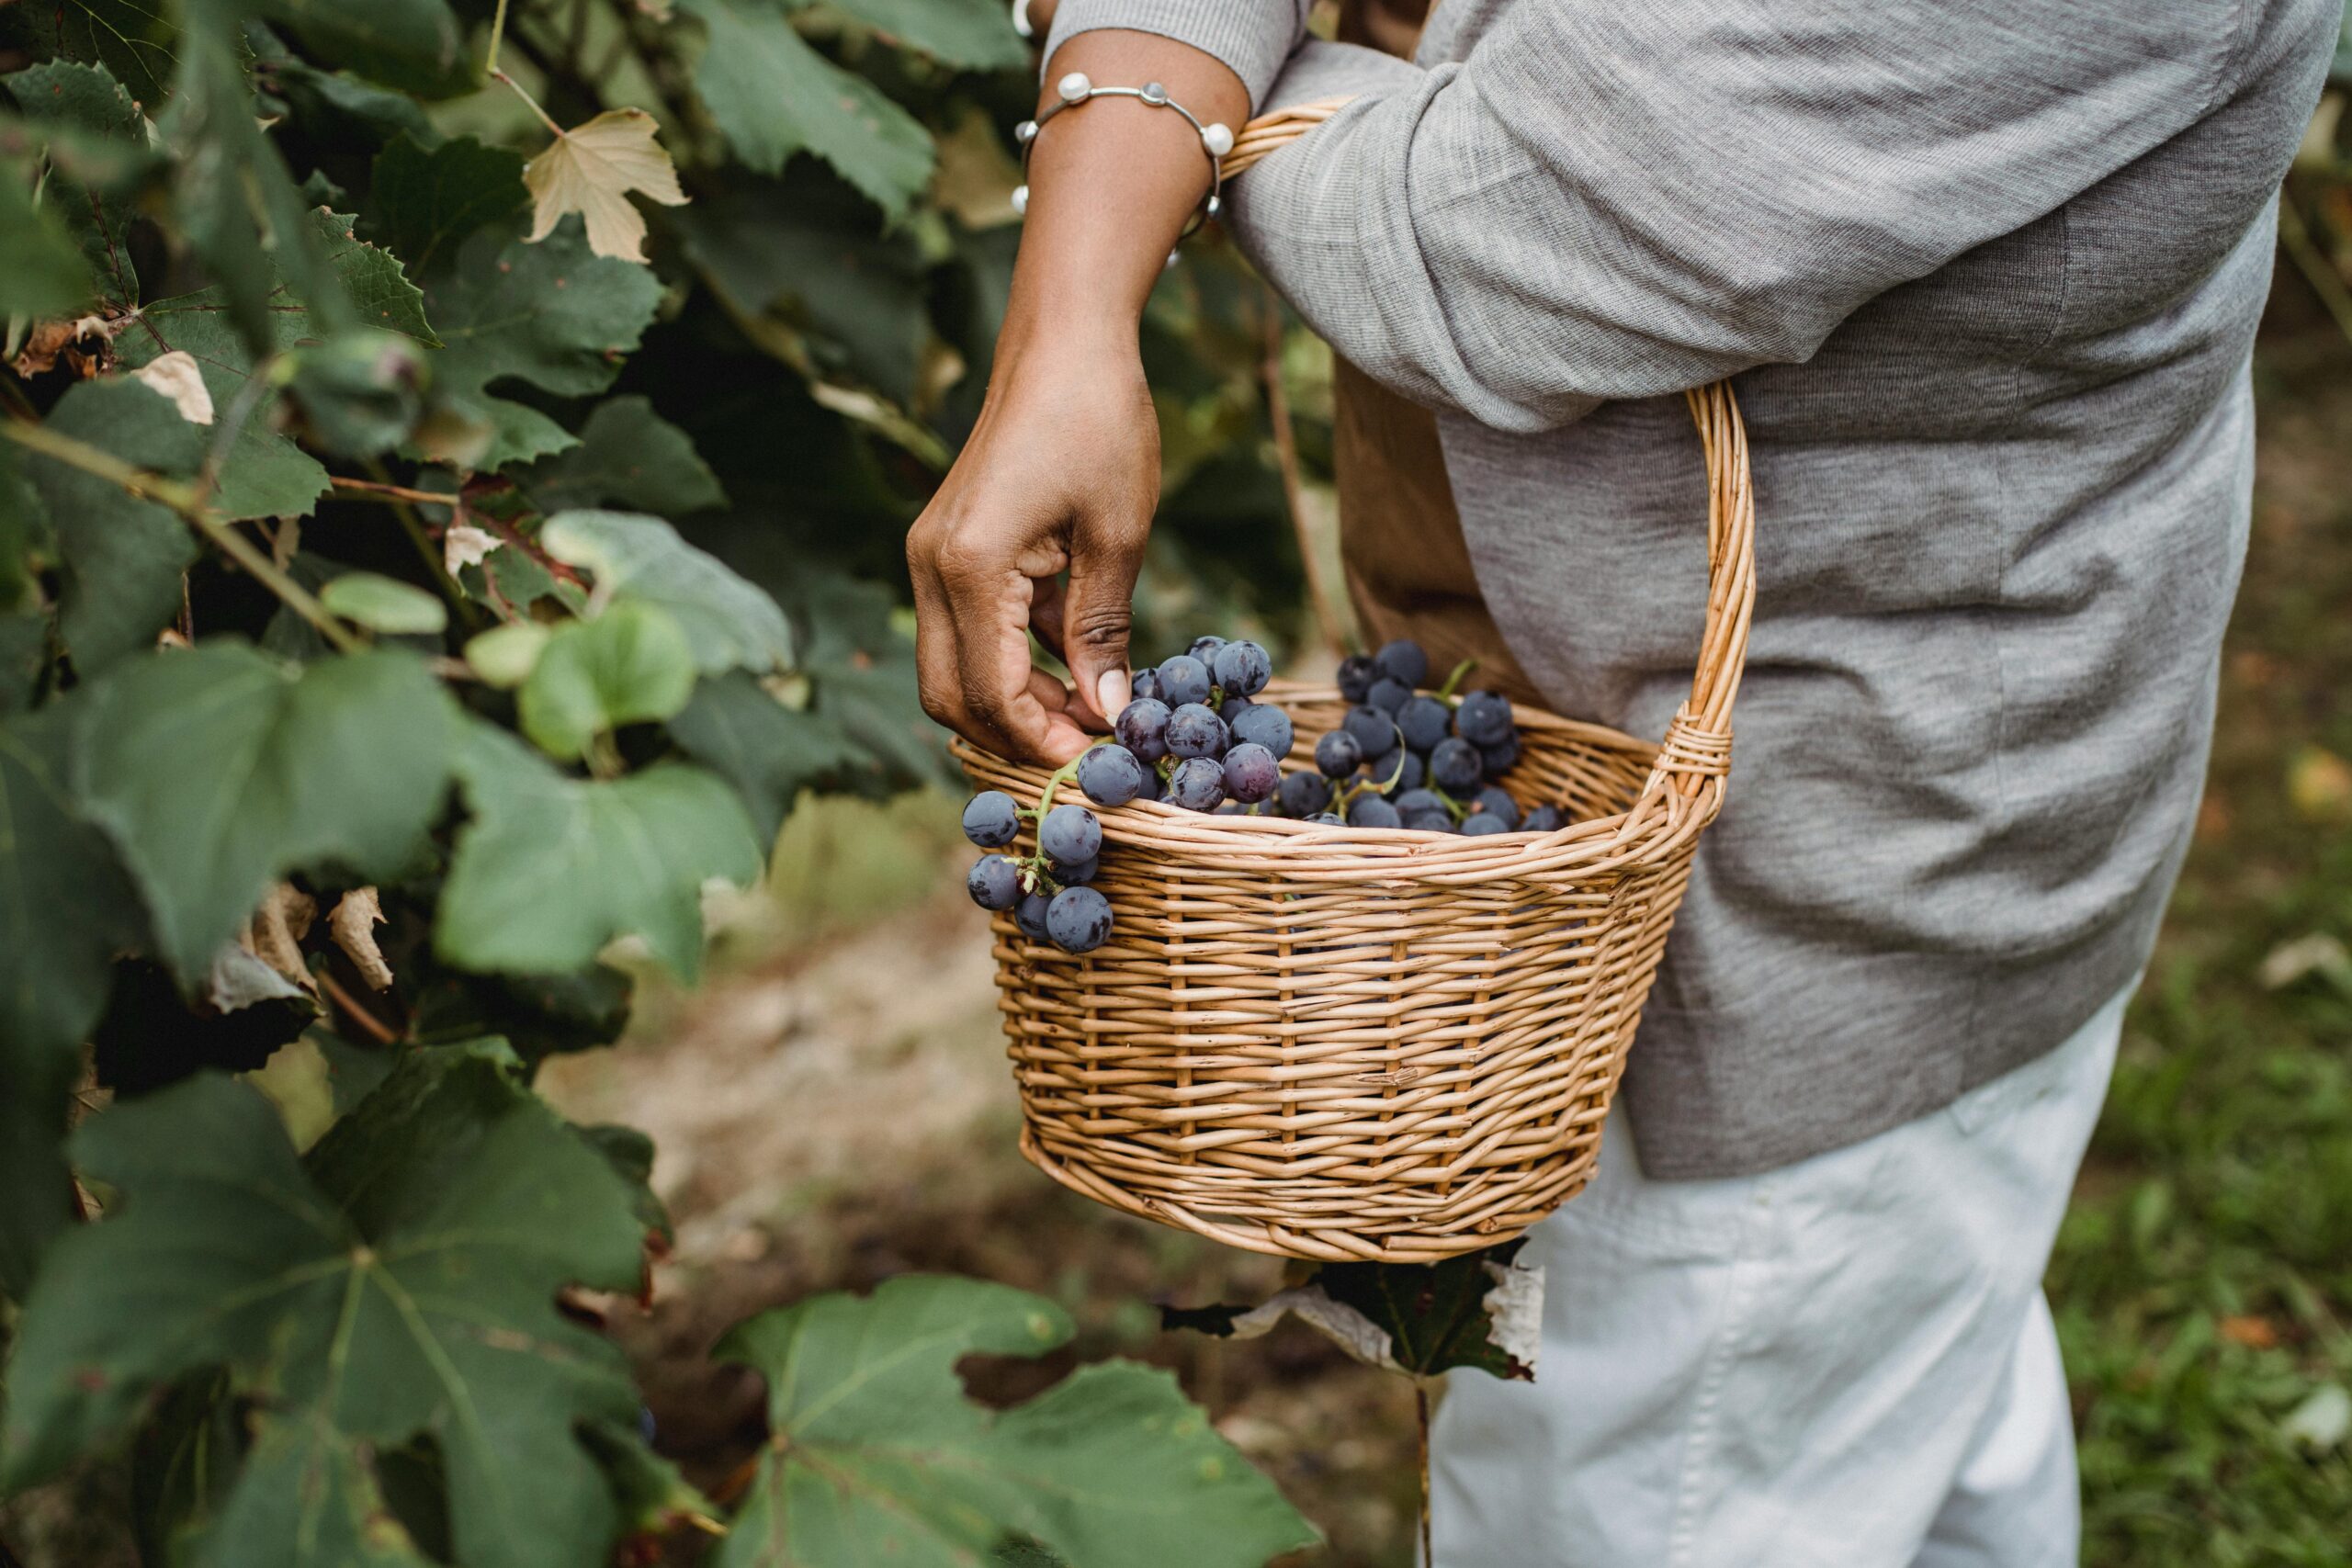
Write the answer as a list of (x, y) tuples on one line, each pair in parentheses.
[(552, 868), (333, 105), (729, 623), (628, 665), (42, 271), (400, 1282), (219, 770), (122, 557), (629, 457), (773, 95), (425, 204), (551, 314), (875, 1455), (975, 34), (767, 752), (65, 910), (129, 38), (59, 95), (591, 169), (264, 473), (415, 45)]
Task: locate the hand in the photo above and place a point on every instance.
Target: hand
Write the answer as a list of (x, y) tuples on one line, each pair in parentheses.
[(1062, 474)]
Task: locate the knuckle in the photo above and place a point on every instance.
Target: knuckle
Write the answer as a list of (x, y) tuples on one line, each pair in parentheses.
[(1100, 625)]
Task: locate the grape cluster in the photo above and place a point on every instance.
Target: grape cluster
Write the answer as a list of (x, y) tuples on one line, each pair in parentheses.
[(1404, 757)]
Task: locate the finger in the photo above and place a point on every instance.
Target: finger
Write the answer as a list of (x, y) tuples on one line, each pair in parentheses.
[(1097, 611), (994, 669)]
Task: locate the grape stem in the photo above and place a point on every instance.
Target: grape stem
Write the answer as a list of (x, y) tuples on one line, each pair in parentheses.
[(1445, 693)]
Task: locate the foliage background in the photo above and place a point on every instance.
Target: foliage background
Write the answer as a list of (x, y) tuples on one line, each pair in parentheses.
[(831, 1109)]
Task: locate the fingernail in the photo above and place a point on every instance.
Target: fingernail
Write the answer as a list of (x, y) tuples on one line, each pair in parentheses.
[(1113, 688)]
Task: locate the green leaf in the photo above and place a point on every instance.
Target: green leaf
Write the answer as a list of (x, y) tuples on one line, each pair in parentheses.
[(861, 673), (60, 96), (552, 868), (415, 45), (425, 203), (219, 770), (975, 34), (65, 910), (629, 457), (766, 750), (331, 104), (129, 38), (505, 656), (399, 1283), (539, 1015), (877, 1455), (626, 666), (385, 605), (729, 622), (122, 557), (42, 271), (773, 95), (552, 314)]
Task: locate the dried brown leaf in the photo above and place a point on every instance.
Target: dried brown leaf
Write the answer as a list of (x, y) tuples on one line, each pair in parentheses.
[(353, 925), (275, 933), (177, 376)]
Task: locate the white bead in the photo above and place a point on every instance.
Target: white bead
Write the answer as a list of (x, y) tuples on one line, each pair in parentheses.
[(1217, 204), (1217, 139), (1021, 22), (1020, 198), (1025, 132), (1154, 94), (1074, 87), (1168, 263)]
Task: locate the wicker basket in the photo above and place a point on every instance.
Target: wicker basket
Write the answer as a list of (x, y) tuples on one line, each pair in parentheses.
[(1342, 1044)]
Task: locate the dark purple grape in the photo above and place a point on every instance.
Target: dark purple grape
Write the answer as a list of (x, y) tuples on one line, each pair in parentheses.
[(1111, 775), (1242, 667), (1411, 800), (1304, 795), (1357, 673), (1542, 819), (1338, 754), (1030, 915), (1250, 773), (1231, 808), (1072, 876), (992, 819), (1398, 772), (1194, 730), (1492, 801), (1079, 919), (1197, 785), (1425, 721), (994, 883), (1480, 823), (1142, 728), (1204, 648), (1371, 811), (1233, 707), (1262, 724), (1071, 835), (1373, 731), (1484, 717), (1328, 819), (1438, 822), (1499, 758), (1184, 679), (1404, 660), (1455, 767), (1389, 696), (1145, 682)]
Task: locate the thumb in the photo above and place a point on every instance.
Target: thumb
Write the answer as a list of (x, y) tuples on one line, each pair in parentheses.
[(1097, 615)]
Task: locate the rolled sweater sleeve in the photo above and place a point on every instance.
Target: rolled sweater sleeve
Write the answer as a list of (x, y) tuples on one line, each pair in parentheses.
[(1606, 200), (1255, 38)]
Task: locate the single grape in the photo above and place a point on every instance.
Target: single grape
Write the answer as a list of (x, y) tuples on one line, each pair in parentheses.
[(1404, 660), (1232, 709), (1184, 679), (1494, 801), (1389, 696), (1142, 728), (1357, 673), (1262, 724), (1499, 758), (1079, 919), (1425, 721), (992, 819), (1484, 719), (1250, 773), (1030, 916), (1111, 775), (1328, 819), (1072, 876), (1542, 819), (1204, 648), (1455, 766), (1338, 754), (1371, 811), (1438, 822), (1373, 731), (994, 883), (1481, 822), (1304, 793), (1145, 682), (1242, 667), (1197, 785), (1411, 800), (1071, 835), (1194, 730)]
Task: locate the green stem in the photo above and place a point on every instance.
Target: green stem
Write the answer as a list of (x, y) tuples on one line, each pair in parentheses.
[(414, 525), (1445, 693), (545, 119), (1061, 775), (497, 36)]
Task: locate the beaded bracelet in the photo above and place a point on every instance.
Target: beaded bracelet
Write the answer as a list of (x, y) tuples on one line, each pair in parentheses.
[(1074, 89)]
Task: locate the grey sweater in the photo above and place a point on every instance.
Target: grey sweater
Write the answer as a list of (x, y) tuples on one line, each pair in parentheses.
[(1986, 273)]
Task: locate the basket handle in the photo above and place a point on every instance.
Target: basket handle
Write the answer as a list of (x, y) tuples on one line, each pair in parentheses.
[(1698, 739)]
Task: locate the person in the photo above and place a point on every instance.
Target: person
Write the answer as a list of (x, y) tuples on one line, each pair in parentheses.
[(1984, 276)]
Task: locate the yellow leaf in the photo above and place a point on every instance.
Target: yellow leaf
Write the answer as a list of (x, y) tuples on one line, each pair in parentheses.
[(2320, 784), (591, 169)]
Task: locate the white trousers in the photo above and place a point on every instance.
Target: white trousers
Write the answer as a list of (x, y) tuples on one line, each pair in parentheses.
[(1847, 1362)]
